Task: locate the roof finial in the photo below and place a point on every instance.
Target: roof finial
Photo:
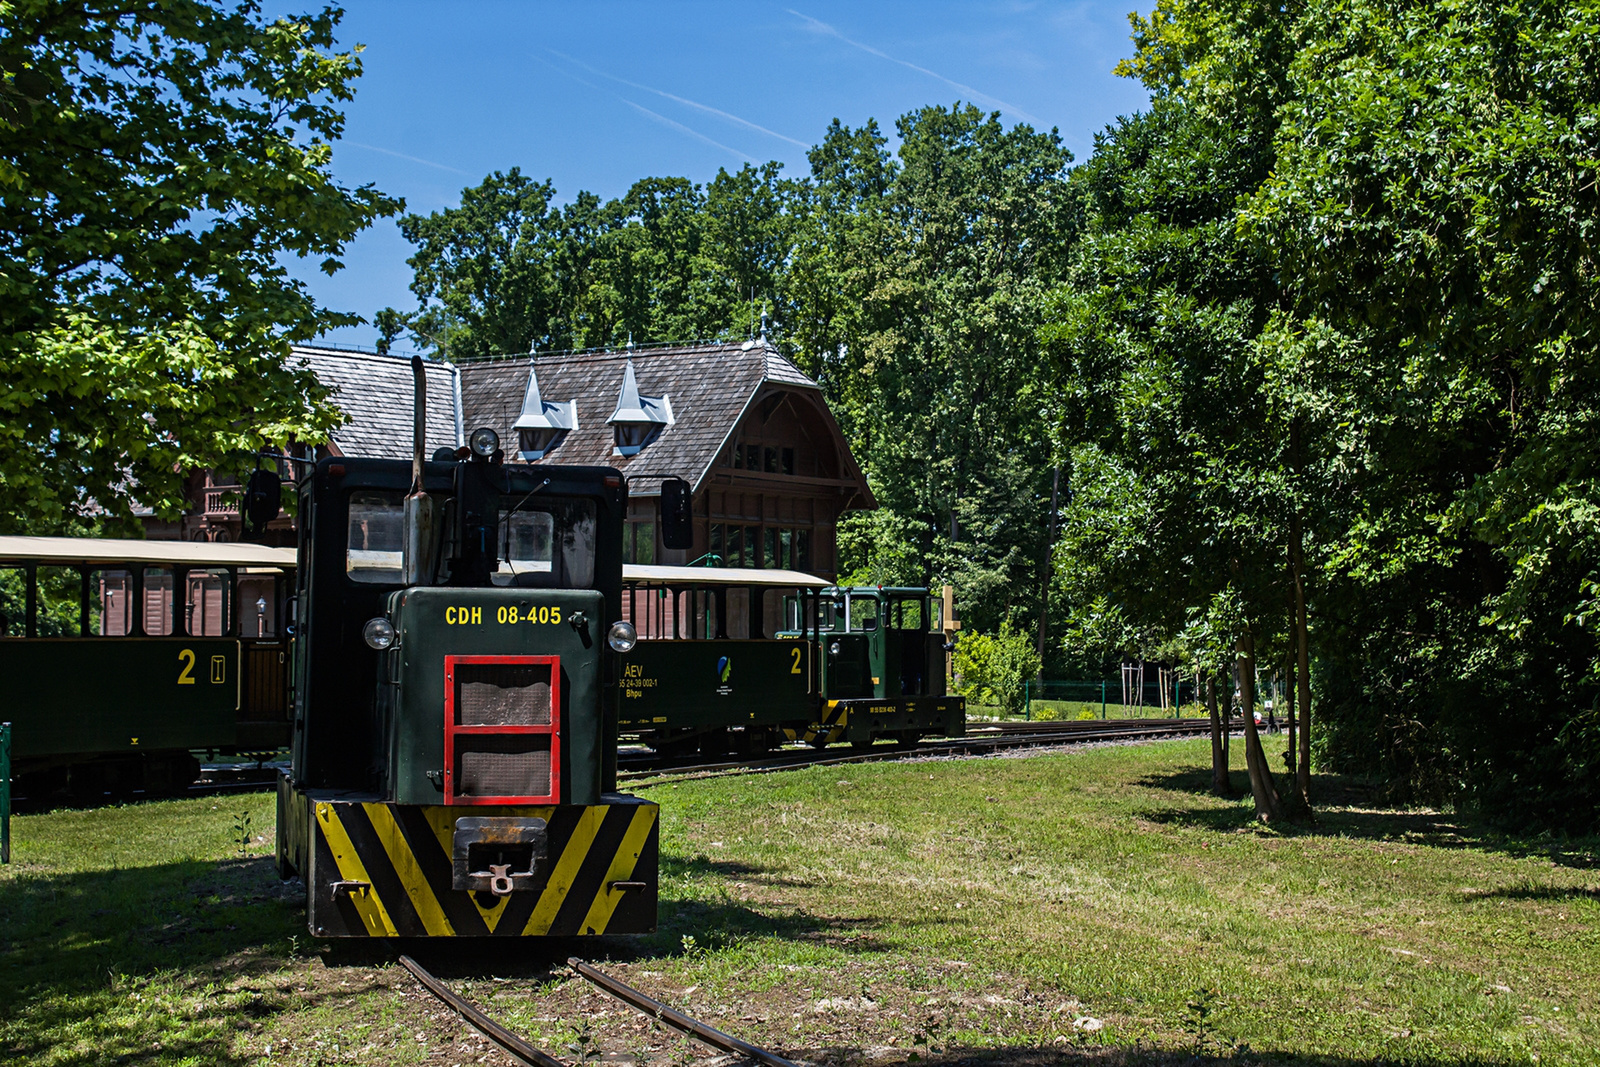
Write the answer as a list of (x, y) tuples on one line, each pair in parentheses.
[(763, 325)]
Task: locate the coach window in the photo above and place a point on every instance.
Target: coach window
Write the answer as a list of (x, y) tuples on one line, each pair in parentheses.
[(373, 548), (205, 602), (157, 611), (111, 602), (13, 602), (256, 595), (737, 614), (60, 593)]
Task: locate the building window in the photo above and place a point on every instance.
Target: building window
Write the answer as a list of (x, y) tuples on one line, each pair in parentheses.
[(770, 547)]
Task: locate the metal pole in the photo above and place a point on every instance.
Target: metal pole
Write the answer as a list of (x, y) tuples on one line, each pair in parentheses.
[(1102, 698), (5, 792), (1027, 701)]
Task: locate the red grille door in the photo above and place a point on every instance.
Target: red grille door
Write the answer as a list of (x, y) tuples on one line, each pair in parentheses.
[(502, 730)]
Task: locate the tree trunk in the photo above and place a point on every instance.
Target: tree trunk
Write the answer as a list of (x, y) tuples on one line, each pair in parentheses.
[(1221, 784), (1288, 713), (1303, 648), (1297, 562), (1255, 760)]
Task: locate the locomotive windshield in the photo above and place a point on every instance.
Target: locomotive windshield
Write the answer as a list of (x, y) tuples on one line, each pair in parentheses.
[(548, 542)]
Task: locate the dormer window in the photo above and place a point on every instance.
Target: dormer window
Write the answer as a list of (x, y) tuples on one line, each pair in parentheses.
[(638, 420), (543, 423)]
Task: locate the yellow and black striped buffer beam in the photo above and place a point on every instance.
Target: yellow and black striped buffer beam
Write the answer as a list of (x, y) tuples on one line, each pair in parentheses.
[(385, 870)]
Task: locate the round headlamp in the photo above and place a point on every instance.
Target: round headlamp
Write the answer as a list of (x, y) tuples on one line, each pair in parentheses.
[(484, 442), (622, 637), (378, 633)]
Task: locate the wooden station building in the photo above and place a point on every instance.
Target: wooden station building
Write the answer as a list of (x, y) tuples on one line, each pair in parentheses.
[(770, 469)]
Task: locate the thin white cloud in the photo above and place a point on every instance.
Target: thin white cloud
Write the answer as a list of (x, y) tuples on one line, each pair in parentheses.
[(681, 128), (977, 97), (402, 155), (707, 108), (655, 116)]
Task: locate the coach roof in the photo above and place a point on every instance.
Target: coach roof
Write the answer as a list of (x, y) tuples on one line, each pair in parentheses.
[(102, 551)]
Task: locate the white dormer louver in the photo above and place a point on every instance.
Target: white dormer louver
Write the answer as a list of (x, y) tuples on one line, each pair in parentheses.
[(543, 423), (638, 419)]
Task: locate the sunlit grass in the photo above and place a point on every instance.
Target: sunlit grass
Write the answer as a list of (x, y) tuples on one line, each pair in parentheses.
[(1059, 903)]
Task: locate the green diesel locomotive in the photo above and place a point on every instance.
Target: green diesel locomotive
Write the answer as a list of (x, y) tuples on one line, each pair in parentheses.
[(458, 658)]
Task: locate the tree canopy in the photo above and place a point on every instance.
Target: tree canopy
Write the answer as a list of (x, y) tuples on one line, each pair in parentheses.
[(159, 161), (1305, 352)]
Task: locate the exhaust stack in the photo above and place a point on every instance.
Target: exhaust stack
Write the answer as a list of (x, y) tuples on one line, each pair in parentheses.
[(421, 528)]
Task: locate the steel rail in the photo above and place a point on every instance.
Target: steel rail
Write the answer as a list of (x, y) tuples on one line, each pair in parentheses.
[(973, 745), (676, 1019), (478, 1020)]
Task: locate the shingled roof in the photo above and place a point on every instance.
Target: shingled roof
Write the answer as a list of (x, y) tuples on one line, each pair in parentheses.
[(374, 392), (710, 387)]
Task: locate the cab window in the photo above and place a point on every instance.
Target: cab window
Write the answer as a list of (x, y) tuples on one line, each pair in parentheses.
[(863, 614), (376, 537), (909, 614), (548, 543)]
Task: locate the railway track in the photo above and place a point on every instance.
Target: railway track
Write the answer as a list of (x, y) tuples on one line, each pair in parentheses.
[(986, 739), (655, 1009)]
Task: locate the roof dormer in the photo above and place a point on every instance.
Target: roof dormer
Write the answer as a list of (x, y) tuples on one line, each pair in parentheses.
[(543, 423), (638, 420)]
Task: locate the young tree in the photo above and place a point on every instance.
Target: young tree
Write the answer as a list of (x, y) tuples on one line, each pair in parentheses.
[(158, 162)]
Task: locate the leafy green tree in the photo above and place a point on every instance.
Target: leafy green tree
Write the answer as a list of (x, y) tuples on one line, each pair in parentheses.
[(158, 163), (1432, 216), (995, 669), (1179, 469), (933, 359), (509, 270)]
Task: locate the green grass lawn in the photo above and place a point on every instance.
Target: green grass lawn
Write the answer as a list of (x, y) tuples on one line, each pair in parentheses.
[(1096, 904)]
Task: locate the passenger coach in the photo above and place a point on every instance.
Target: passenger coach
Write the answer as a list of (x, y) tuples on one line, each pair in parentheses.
[(125, 658)]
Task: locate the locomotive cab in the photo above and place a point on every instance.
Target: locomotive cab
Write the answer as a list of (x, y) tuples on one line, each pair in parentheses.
[(454, 767), (883, 667)]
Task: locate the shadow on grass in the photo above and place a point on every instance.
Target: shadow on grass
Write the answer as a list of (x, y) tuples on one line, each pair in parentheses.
[(687, 925), (1089, 1053), (94, 965), (1347, 806)]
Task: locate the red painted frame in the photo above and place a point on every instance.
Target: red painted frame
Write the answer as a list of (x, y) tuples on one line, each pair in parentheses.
[(451, 730)]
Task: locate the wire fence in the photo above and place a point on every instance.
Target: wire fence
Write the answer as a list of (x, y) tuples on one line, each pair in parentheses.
[(1166, 696)]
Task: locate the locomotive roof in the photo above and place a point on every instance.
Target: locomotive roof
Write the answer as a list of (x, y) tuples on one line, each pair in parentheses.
[(64, 550), (661, 575)]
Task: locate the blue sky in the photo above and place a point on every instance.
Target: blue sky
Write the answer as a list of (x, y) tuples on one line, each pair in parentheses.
[(597, 95)]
